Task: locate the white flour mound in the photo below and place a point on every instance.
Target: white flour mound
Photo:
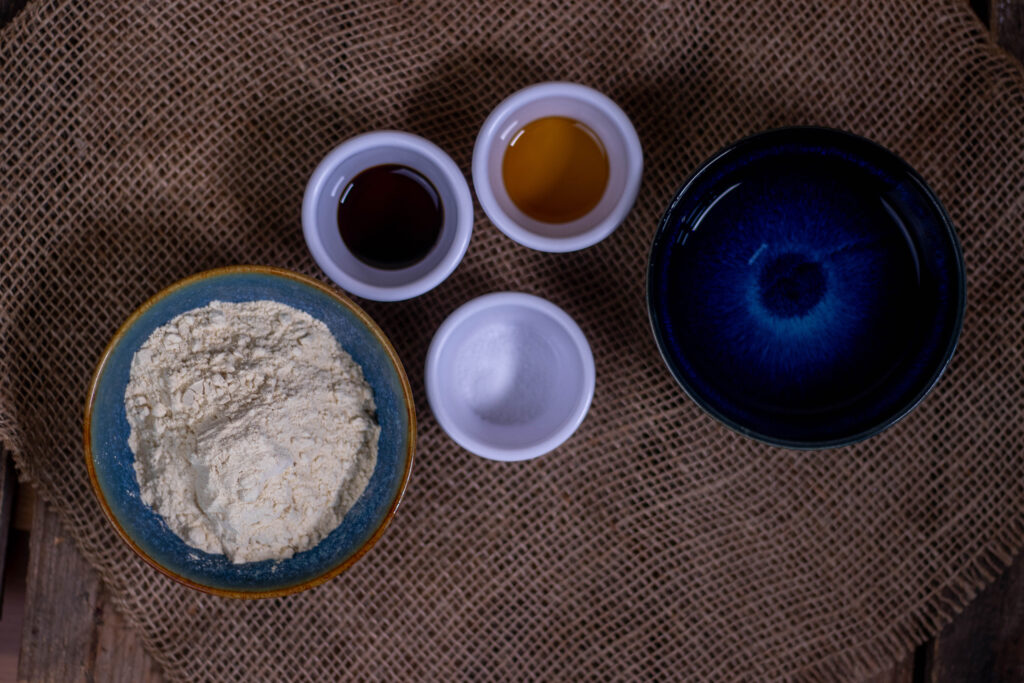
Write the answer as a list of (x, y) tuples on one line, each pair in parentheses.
[(254, 432)]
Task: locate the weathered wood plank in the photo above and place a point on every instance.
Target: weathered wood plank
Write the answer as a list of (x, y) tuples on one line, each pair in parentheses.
[(8, 8), (986, 641), (120, 657), (24, 503), (71, 631), (983, 8), (901, 673), (1008, 25), (8, 481), (14, 605), (57, 642)]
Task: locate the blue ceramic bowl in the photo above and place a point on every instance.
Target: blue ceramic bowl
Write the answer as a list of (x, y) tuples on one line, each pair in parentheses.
[(109, 458), (806, 288)]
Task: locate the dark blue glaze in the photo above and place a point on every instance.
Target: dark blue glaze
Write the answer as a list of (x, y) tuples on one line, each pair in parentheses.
[(113, 459), (806, 287)]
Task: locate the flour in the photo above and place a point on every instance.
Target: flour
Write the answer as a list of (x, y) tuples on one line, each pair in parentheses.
[(253, 431)]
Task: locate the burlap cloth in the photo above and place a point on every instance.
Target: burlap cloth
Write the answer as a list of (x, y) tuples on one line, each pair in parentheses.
[(144, 141)]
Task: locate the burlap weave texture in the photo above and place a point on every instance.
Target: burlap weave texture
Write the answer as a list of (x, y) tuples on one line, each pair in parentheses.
[(141, 142)]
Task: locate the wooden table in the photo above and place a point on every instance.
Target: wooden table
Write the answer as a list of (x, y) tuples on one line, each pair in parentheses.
[(58, 623)]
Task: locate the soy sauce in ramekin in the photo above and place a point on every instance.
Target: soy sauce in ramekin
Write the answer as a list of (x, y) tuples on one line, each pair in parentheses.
[(390, 216)]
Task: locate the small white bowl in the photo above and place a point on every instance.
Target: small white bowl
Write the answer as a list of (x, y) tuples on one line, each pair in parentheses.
[(509, 376), (320, 215), (597, 112)]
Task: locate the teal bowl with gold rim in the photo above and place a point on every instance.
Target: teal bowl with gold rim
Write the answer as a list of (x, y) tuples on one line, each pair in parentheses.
[(110, 460)]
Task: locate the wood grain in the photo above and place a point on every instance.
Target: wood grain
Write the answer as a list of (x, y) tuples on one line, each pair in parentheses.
[(71, 631), (120, 656), (903, 672), (1007, 19), (983, 8), (62, 591), (24, 503), (986, 641), (8, 8), (8, 481)]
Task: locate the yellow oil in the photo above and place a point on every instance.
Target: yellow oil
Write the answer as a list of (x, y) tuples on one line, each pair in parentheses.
[(555, 169)]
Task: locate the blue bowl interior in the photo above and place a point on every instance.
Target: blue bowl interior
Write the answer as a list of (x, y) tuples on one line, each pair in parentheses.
[(112, 458), (806, 287)]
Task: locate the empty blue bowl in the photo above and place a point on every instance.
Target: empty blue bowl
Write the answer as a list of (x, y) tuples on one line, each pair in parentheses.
[(806, 288), (110, 460)]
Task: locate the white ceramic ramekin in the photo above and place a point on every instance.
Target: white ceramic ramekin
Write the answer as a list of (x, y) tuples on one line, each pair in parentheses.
[(597, 112), (509, 376), (320, 215)]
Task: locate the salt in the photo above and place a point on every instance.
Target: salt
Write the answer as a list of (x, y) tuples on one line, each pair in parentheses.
[(502, 373)]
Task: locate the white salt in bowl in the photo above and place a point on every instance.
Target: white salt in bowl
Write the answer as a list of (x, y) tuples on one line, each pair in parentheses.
[(509, 376)]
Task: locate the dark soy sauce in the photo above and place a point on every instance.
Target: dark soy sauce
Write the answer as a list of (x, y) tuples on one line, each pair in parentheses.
[(390, 216)]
